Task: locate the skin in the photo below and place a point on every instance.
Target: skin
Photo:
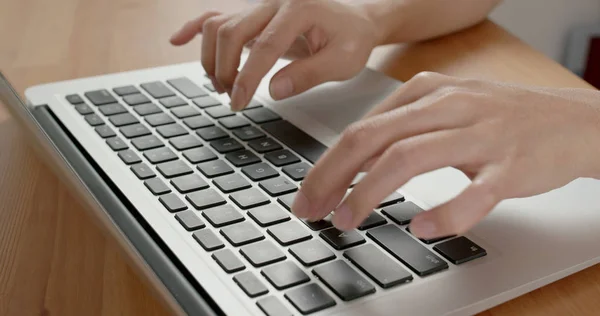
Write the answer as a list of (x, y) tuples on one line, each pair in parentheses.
[(511, 141)]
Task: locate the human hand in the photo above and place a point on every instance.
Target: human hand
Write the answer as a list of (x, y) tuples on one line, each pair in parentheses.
[(510, 141), (338, 36)]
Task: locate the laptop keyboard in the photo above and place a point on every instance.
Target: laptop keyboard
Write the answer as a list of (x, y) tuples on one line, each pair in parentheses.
[(217, 171)]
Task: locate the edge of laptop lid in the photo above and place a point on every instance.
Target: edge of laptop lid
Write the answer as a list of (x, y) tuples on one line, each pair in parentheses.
[(143, 247)]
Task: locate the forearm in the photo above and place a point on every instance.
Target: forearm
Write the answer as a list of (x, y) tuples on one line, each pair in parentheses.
[(415, 20)]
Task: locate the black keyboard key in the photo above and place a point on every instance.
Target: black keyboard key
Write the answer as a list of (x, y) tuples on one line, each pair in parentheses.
[(226, 145), (187, 87), (287, 201), (172, 203), (341, 240), (402, 213), (264, 145), (83, 109), (157, 89), (379, 267), (284, 275), (259, 171), (373, 220), (344, 281), (171, 102), (228, 261), (147, 142), (93, 119), (250, 284), (210, 87), (433, 240), (231, 183), (116, 144), (391, 199), (214, 168), (320, 224), (185, 111), (123, 119), (460, 250), (185, 142), (249, 198), (112, 109), (268, 215), (297, 171), (125, 90), (74, 99), (159, 119), (198, 155), (159, 155), (197, 122), (232, 122), (262, 253), (135, 130), (223, 215), (157, 186), (241, 234), (147, 109), (135, 99), (205, 102), (189, 220), (142, 171), (309, 298), (205, 199), (173, 168), (100, 97), (261, 115), (289, 233), (105, 131), (211, 133), (248, 133), (189, 183), (278, 186), (253, 104), (311, 253), (129, 157), (271, 306), (300, 142), (404, 248), (218, 112), (172, 130), (281, 158), (208, 240), (242, 158)]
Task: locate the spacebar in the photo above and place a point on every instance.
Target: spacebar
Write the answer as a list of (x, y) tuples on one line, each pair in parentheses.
[(293, 137)]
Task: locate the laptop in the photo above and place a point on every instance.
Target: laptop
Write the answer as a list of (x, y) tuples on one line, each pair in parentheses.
[(199, 199)]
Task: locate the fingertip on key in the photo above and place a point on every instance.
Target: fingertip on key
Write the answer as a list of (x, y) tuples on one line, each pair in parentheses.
[(301, 205)]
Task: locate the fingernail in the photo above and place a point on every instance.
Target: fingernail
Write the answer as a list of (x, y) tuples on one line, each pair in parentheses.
[(342, 218), (217, 86), (301, 205), (281, 88), (238, 98), (423, 228)]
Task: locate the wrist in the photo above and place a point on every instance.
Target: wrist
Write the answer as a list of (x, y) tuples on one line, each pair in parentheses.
[(386, 16)]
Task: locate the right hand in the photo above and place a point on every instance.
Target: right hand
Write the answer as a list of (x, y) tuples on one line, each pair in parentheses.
[(339, 36)]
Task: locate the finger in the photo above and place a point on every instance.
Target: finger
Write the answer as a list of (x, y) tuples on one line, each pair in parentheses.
[(420, 85), (460, 214), (272, 43), (209, 46), (303, 74), (372, 136), (401, 162), (231, 38), (191, 28)]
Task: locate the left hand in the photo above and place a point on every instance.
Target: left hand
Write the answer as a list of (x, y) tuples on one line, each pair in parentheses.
[(511, 141)]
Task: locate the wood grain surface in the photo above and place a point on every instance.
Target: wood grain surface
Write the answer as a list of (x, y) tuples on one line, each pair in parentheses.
[(53, 258)]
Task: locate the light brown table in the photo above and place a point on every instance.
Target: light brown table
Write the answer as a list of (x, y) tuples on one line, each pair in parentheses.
[(55, 261)]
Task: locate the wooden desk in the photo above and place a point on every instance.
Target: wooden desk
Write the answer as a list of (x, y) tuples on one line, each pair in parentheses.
[(55, 261)]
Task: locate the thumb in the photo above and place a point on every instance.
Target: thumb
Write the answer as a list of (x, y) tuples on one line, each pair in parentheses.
[(303, 74)]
